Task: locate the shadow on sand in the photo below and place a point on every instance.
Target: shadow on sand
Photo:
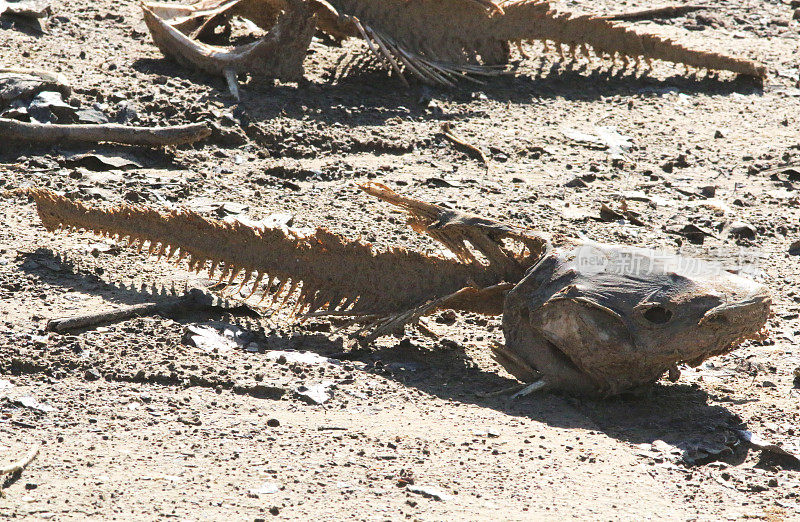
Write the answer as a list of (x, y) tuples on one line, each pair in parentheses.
[(681, 415)]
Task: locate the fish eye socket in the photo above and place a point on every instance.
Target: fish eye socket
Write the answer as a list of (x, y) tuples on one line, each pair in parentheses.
[(657, 314)]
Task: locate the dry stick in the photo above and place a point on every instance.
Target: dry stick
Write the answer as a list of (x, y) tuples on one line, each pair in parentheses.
[(194, 299), (458, 140), (16, 467), (652, 14), (43, 134)]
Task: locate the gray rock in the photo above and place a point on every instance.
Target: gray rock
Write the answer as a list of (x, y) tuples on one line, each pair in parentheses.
[(126, 113), (742, 230), (23, 87), (708, 191), (48, 106), (576, 182), (26, 8), (92, 375), (259, 391), (101, 162), (92, 116)]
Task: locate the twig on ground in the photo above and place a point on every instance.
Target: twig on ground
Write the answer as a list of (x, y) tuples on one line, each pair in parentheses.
[(193, 300), (45, 134), (656, 13), (447, 132)]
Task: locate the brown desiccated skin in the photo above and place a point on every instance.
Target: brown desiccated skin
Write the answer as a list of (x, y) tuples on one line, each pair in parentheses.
[(279, 54), (374, 284), (464, 32), (593, 319), (534, 20), (602, 319), (202, 19)]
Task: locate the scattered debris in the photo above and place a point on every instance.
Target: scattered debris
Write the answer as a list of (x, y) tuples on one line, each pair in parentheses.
[(742, 230), (267, 488), (315, 393), (48, 106), (447, 132), (101, 162), (30, 402), (26, 8), (438, 182), (277, 220), (576, 182), (609, 215), (605, 137), (690, 452), (292, 357), (48, 134), (221, 209), (659, 449), (655, 13), (91, 116), (691, 232), (708, 191), (92, 374), (698, 451), (260, 391), (217, 337)]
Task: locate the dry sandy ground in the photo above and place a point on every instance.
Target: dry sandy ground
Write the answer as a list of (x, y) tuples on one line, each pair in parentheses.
[(140, 426)]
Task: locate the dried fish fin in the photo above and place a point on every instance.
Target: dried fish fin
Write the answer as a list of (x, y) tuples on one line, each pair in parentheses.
[(455, 229)]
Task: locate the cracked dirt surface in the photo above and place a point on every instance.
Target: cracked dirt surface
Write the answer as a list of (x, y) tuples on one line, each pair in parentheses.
[(141, 426)]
